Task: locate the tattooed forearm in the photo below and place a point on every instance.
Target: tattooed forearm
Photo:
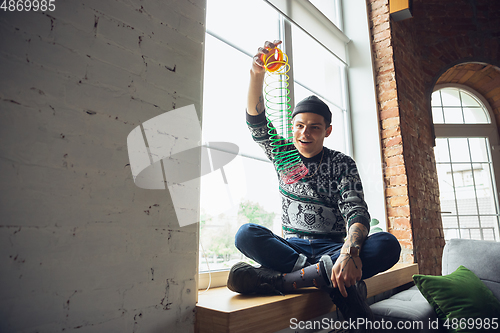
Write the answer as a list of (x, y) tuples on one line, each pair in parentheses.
[(260, 106), (357, 235)]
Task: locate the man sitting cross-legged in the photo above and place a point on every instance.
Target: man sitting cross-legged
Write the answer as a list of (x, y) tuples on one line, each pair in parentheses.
[(325, 219)]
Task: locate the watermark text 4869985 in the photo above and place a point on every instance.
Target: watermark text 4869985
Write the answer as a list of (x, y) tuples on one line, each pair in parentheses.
[(28, 5)]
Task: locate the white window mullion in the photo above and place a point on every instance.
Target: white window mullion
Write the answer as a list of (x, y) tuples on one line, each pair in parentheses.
[(313, 22), (347, 114), (288, 49)]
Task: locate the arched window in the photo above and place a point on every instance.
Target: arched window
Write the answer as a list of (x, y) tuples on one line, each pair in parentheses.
[(457, 106), (466, 138)]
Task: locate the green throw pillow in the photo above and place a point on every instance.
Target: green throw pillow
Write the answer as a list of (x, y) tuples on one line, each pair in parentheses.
[(459, 299)]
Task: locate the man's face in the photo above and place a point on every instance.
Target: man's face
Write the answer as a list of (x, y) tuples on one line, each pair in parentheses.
[(309, 132)]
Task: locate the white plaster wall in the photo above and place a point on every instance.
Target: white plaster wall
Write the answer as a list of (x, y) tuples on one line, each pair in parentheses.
[(82, 249)]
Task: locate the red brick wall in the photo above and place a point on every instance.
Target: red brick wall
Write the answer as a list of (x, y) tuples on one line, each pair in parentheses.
[(416, 129), (409, 57), (396, 181)]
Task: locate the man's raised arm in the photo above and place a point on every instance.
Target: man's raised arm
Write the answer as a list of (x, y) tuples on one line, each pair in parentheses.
[(255, 102)]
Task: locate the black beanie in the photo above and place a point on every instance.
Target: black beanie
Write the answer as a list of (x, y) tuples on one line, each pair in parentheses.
[(315, 105)]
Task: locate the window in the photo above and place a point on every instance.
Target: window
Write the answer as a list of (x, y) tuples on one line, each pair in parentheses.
[(465, 136), (330, 9), (233, 198), (317, 71), (456, 106)]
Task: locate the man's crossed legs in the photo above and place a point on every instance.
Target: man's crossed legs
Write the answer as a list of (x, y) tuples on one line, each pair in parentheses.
[(295, 263)]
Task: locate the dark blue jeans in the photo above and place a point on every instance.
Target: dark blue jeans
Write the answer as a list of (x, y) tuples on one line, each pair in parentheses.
[(379, 252)]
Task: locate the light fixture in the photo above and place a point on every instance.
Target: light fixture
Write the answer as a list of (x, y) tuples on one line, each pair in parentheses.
[(400, 9)]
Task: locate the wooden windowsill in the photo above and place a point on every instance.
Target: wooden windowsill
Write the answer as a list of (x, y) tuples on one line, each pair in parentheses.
[(221, 310)]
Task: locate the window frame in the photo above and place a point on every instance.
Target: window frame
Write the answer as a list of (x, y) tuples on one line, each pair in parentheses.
[(475, 130), (364, 146)]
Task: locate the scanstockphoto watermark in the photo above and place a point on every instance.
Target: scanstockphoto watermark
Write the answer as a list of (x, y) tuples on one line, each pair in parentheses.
[(355, 324), (363, 177), (166, 152), (28, 5), (402, 325)]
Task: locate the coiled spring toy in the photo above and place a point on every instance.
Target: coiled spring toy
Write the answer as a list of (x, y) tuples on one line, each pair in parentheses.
[(287, 159)]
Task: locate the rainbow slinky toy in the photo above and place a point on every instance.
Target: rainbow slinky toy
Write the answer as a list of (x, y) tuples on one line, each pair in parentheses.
[(286, 157)]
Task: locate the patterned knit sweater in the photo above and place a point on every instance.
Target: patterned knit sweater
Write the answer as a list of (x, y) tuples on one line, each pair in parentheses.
[(327, 201)]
